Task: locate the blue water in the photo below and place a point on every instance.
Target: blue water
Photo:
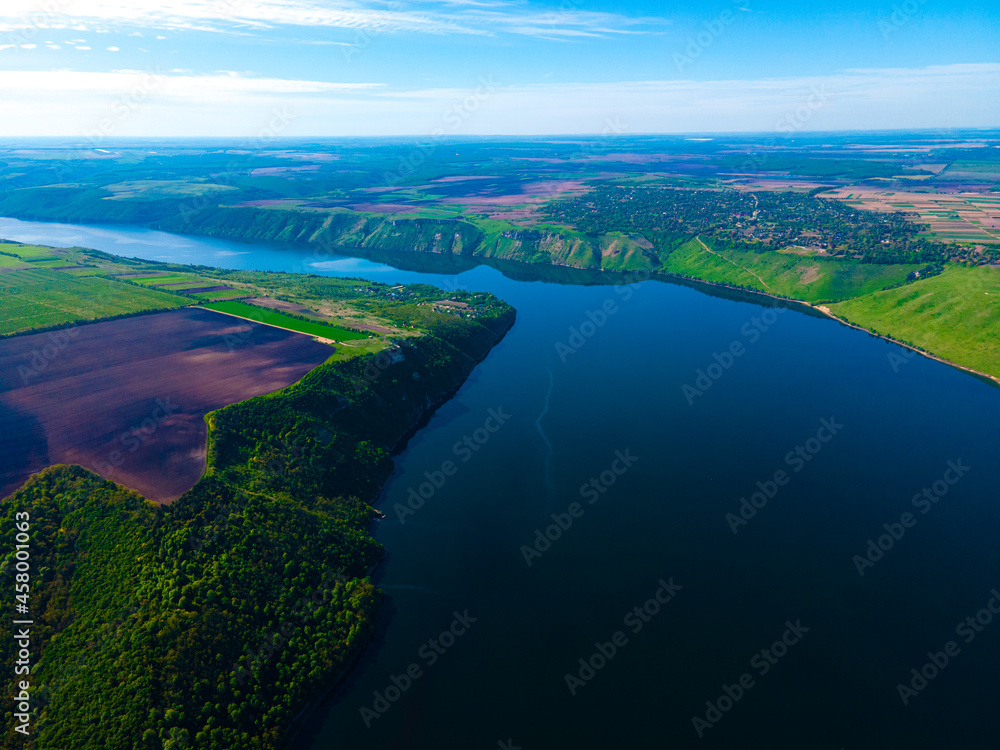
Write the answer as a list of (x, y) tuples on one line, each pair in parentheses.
[(789, 571)]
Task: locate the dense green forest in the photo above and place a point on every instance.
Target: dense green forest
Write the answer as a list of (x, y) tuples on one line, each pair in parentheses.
[(211, 623)]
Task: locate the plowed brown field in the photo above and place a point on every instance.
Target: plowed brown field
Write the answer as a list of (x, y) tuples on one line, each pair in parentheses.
[(127, 398)]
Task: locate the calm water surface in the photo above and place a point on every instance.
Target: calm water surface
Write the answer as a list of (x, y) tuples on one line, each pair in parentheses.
[(770, 637)]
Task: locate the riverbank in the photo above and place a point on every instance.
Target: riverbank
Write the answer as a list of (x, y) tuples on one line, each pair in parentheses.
[(826, 312), (272, 550)]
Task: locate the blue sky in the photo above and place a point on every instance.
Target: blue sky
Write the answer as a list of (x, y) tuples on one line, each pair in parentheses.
[(98, 69)]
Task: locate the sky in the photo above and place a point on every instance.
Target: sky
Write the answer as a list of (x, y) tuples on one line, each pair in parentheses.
[(95, 70)]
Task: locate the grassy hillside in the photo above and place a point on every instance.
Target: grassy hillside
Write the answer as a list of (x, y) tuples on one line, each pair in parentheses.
[(810, 279), (955, 315)]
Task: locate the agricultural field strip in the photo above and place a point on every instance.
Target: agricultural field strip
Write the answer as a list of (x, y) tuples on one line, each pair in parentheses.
[(271, 317), (38, 298)]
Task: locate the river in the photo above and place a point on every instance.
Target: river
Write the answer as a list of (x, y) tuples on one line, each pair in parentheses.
[(597, 461)]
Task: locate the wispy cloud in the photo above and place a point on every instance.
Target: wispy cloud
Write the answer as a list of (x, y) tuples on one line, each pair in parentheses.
[(213, 87), (223, 103), (466, 17)]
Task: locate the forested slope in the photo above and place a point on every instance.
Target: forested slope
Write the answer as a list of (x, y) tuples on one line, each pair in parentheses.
[(210, 623)]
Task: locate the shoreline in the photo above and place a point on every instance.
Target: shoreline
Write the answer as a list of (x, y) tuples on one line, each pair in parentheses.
[(360, 252), (828, 313), (301, 721)]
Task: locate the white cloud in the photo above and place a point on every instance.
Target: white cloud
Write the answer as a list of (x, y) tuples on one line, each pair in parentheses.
[(425, 16), (184, 87), (28, 46), (84, 48), (227, 104), (113, 49)]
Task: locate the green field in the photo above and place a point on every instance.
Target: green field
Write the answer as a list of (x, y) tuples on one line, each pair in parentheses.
[(83, 271), (169, 279), (207, 296), (39, 298), (53, 262), (955, 315), (8, 262), (185, 286), (271, 317), (28, 252), (810, 279), (991, 167)]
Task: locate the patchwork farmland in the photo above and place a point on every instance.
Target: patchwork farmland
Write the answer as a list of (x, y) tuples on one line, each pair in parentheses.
[(42, 287), (959, 217), (43, 297)]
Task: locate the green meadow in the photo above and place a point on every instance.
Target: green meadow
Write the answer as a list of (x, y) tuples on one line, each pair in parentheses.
[(813, 279), (955, 315), (274, 318)]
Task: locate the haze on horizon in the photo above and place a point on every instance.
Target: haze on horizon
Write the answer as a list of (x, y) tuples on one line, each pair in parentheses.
[(95, 70)]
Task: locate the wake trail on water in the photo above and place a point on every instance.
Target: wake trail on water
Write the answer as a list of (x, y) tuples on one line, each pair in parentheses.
[(538, 424)]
